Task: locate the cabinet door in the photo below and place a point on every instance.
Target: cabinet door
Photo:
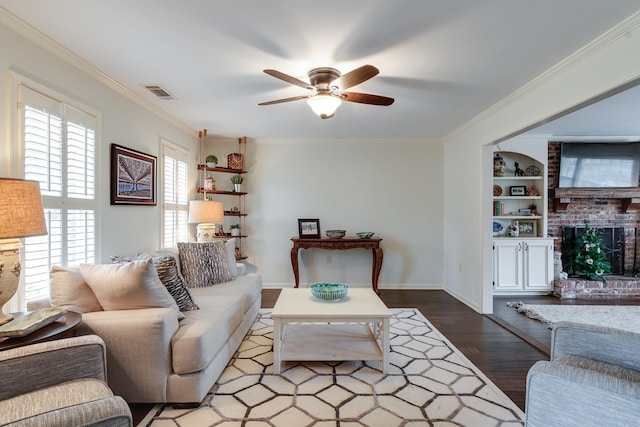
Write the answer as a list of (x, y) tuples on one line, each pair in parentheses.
[(538, 264), (507, 265)]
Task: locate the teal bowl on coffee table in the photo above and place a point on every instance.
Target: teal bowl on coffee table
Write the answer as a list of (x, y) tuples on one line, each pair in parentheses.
[(329, 291)]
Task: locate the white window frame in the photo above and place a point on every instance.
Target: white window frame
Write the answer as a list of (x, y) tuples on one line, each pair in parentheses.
[(16, 156), (168, 149)]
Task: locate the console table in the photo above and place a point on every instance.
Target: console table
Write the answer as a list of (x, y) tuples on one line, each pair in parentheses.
[(339, 244)]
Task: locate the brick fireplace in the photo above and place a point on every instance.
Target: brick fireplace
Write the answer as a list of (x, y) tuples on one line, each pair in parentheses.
[(607, 210)]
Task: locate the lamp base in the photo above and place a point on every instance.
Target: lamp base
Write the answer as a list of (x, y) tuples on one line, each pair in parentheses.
[(205, 232), (9, 274)]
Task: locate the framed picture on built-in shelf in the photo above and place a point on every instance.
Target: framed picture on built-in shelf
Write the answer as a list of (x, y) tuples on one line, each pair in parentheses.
[(527, 228), (518, 190)]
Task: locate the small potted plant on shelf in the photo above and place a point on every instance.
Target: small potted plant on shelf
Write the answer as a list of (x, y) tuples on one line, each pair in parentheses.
[(235, 229), (237, 183), (211, 161)]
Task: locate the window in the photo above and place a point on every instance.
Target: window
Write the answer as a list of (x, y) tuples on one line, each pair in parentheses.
[(175, 209), (58, 150)]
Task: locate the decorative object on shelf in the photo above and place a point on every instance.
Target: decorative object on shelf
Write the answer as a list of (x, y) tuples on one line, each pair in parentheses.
[(524, 212), (205, 213), (21, 215), (498, 228), (329, 291), (336, 234), (31, 322), (498, 165), (209, 183), (235, 229), (211, 161), (533, 190), (532, 170), (518, 190), (497, 190), (518, 171), (534, 209), (527, 228), (133, 177), (235, 209), (365, 234), (590, 257), (309, 228), (235, 161), (512, 230), (237, 183), (238, 254), (220, 230)]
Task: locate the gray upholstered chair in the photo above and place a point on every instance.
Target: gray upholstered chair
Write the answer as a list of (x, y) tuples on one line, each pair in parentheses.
[(59, 383), (593, 379)]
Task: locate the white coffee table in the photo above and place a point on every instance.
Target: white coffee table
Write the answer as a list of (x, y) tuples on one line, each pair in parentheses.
[(353, 328)]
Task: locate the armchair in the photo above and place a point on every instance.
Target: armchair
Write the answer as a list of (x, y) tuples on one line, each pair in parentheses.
[(592, 379), (59, 383)]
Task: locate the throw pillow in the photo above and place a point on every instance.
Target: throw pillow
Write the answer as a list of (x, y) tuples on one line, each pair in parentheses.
[(230, 247), (203, 264), (168, 273), (127, 286), (167, 269), (69, 290)]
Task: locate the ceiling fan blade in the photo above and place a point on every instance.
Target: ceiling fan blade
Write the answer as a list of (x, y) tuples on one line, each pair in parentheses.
[(289, 79), (366, 98), (279, 101), (355, 77)]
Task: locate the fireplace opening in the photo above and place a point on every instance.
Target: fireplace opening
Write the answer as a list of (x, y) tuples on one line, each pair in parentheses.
[(615, 245)]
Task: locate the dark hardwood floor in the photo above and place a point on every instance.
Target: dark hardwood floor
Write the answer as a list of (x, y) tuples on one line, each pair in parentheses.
[(503, 346)]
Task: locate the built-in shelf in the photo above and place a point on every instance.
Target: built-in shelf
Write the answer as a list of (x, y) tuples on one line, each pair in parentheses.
[(219, 169), (630, 197)]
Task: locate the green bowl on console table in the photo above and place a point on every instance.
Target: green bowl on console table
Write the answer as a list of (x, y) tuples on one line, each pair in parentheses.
[(365, 234), (329, 291)]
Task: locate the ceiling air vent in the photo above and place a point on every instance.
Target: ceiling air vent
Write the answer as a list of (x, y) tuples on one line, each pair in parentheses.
[(159, 91)]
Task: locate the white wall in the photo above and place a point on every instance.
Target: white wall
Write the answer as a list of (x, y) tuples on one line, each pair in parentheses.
[(609, 62), (123, 229), (393, 188)]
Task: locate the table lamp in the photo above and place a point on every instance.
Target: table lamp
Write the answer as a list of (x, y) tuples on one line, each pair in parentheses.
[(21, 215), (205, 213)]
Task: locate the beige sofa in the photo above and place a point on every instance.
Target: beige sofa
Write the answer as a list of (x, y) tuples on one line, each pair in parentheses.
[(153, 356)]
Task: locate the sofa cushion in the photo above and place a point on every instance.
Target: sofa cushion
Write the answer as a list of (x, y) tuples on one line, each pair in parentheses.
[(247, 287), (69, 290), (127, 286), (203, 264), (204, 332), (167, 268)]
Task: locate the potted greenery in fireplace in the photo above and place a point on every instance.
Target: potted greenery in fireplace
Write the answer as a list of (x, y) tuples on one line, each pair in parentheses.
[(590, 257)]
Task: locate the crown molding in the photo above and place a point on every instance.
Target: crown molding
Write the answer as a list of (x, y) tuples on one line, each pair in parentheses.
[(35, 36), (612, 35)]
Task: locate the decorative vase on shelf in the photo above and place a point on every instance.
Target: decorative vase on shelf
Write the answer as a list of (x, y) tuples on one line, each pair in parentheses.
[(235, 231), (211, 161), (237, 188), (498, 165)]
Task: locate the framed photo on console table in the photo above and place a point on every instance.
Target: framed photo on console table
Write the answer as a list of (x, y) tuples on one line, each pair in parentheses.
[(133, 177), (309, 228), (527, 228)]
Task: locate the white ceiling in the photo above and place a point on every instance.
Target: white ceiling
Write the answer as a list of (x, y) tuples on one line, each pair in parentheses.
[(444, 61)]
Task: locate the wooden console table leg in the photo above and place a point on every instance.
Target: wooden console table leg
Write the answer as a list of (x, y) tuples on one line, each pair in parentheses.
[(377, 266), (294, 264)]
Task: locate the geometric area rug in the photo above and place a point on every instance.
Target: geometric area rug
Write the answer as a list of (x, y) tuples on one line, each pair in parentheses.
[(429, 383)]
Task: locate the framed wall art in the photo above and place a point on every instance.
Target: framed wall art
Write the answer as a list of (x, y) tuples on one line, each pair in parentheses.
[(309, 228), (133, 177), (527, 228)]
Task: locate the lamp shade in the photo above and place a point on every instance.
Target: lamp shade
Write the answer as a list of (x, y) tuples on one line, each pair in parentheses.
[(324, 105), (205, 211), (21, 210)]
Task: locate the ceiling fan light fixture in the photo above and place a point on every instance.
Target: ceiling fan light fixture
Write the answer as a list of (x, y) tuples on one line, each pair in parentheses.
[(323, 105)]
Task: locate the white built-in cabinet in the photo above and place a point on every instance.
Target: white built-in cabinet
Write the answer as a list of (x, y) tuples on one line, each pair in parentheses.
[(524, 263)]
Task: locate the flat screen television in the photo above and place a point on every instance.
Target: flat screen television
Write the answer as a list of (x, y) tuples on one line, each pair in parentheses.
[(599, 165)]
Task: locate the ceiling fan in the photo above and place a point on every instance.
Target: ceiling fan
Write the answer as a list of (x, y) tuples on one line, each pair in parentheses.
[(328, 87)]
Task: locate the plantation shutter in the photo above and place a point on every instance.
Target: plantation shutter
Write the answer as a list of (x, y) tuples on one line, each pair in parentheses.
[(59, 148), (175, 193)]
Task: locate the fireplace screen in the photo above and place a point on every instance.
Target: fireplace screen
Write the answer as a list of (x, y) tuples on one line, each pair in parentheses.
[(613, 241)]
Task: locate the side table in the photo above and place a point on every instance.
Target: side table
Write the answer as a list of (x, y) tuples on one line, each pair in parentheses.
[(61, 328)]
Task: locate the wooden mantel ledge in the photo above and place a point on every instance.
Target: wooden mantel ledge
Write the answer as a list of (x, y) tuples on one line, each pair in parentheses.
[(562, 196)]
